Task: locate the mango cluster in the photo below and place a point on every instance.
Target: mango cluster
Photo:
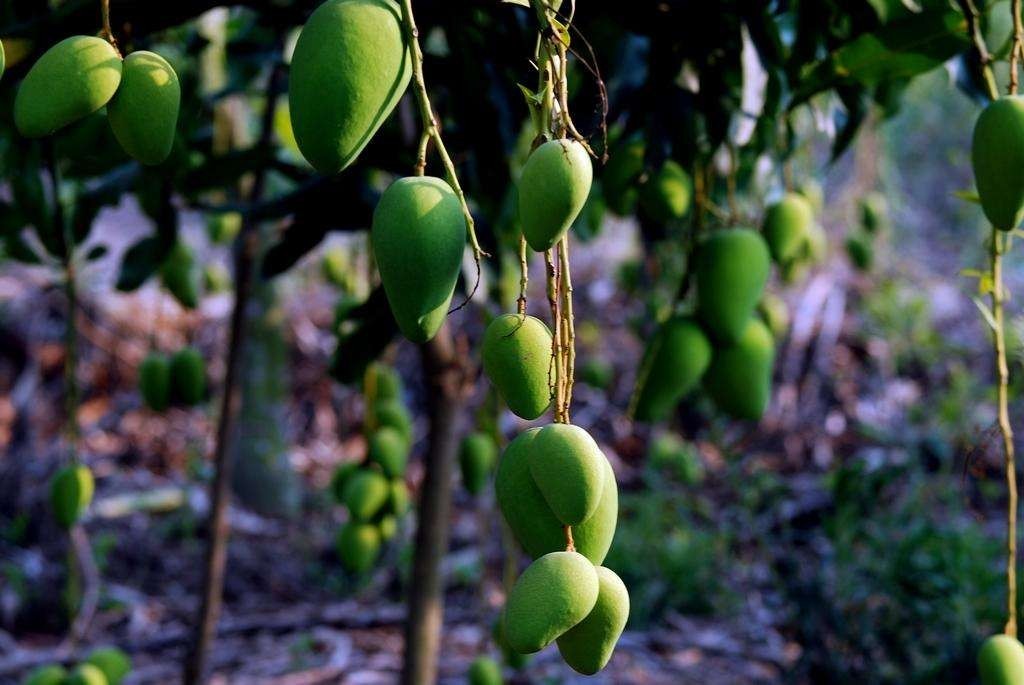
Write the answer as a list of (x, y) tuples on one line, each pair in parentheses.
[(554, 481), (791, 230), (374, 491), (81, 75), (176, 380), (628, 185), (874, 219), (103, 666), (1001, 661)]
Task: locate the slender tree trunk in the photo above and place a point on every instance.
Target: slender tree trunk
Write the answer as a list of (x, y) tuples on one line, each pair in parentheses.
[(445, 376)]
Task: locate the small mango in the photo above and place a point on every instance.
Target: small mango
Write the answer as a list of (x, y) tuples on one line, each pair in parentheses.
[(1001, 661), (997, 155), (731, 270), (155, 381), (50, 674), (568, 468), (188, 376), (860, 250), (516, 352), (114, 663), (398, 497), (390, 450), (181, 275), (774, 311), (71, 493), (358, 545), (618, 180), (350, 67), (143, 113), (387, 384), (387, 526), (588, 645), (553, 188), (393, 414), (673, 364), (477, 455), (71, 80), (787, 225), (667, 193), (366, 493), (86, 674), (418, 235), (484, 671), (739, 379)]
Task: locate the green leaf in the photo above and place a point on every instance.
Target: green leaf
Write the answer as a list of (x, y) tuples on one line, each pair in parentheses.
[(968, 196), (140, 262), (986, 313)]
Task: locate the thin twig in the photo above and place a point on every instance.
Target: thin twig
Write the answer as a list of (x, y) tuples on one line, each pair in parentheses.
[(524, 276), (108, 34), (568, 325)]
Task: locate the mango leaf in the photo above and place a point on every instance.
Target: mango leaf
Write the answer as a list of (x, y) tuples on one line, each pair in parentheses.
[(968, 196), (140, 262), (986, 313)]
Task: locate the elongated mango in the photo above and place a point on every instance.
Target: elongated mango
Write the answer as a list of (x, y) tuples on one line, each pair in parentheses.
[(390, 450), (155, 381), (358, 545), (997, 155), (516, 352), (350, 67), (366, 493), (181, 275), (554, 594), (552, 191), (568, 468), (731, 271), (418, 236), (787, 226), (619, 178), (673, 365), (188, 376), (588, 645), (71, 493), (143, 113), (477, 455), (71, 80), (1001, 661), (739, 379)]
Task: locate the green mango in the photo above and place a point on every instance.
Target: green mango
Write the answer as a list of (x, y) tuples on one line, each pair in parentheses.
[(477, 455), (532, 521), (155, 381), (731, 270), (739, 379), (181, 276), (1001, 661), (222, 227), (787, 225), (358, 545), (350, 67), (516, 353), (216, 278), (387, 384), (667, 193), (71, 80), (618, 181), (568, 468), (673, 364), (366, 493), (86, 674), (554, 594), (392, 413), (51, 674), (774, 311), (588, 645), (860, 251), (188, 376), (552, 191), (484, 671), (815, 248), (398, 497), (390, 450), (71, 493), (335, 267), (671, 454), (114, 663), (143, 113), (997, 155), (419, 235), (597, 373), (339, 479), (793, 272), (387, 526)]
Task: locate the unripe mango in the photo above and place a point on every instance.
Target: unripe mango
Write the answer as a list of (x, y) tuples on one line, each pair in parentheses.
[(51, 674), (618, 181), (72, 79), (739, 379), (588, 645), (349, 69), (568, 468), (143, 113), (667, 193), (188, 376), (114, 663), (731, 271), (554, 594), (553, 188), (181, 276), (673, 365), (393, 414), (71, 493), (511, 657), (366, 494), (390, 450), (387, 527), (86, 674), (787, 225), (860, 251), (155, 381), (222, 227), (1001, 661), (418, 235), (997, 155), (387, 384), (816, 247), (358, 546), (527, 513), (398, 497), (516, 352), (477, 455), (484, 671), (774, 311)]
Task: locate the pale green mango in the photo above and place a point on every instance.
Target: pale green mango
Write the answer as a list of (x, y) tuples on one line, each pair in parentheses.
[(816, 247), (484, 671), (418, 235), (71, 493), (997, 155), (554, 594), (477, 455), (387, 526), (366, 493), (143, 113), (358, 546), (553, 188), (588, 646), (739, 379), (71, 80), (667, 193), (398, 497), (531, 520), (86, 674), (114, 663), (731, 270), (619, 178), (350, 67), (516, 352), (774, 311), (387, 384), (568, 468), (390, 450), (673, 365), (1001, 661), (787, 226)]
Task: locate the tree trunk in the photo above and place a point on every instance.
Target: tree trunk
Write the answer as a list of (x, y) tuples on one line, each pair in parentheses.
[(445, 374)]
